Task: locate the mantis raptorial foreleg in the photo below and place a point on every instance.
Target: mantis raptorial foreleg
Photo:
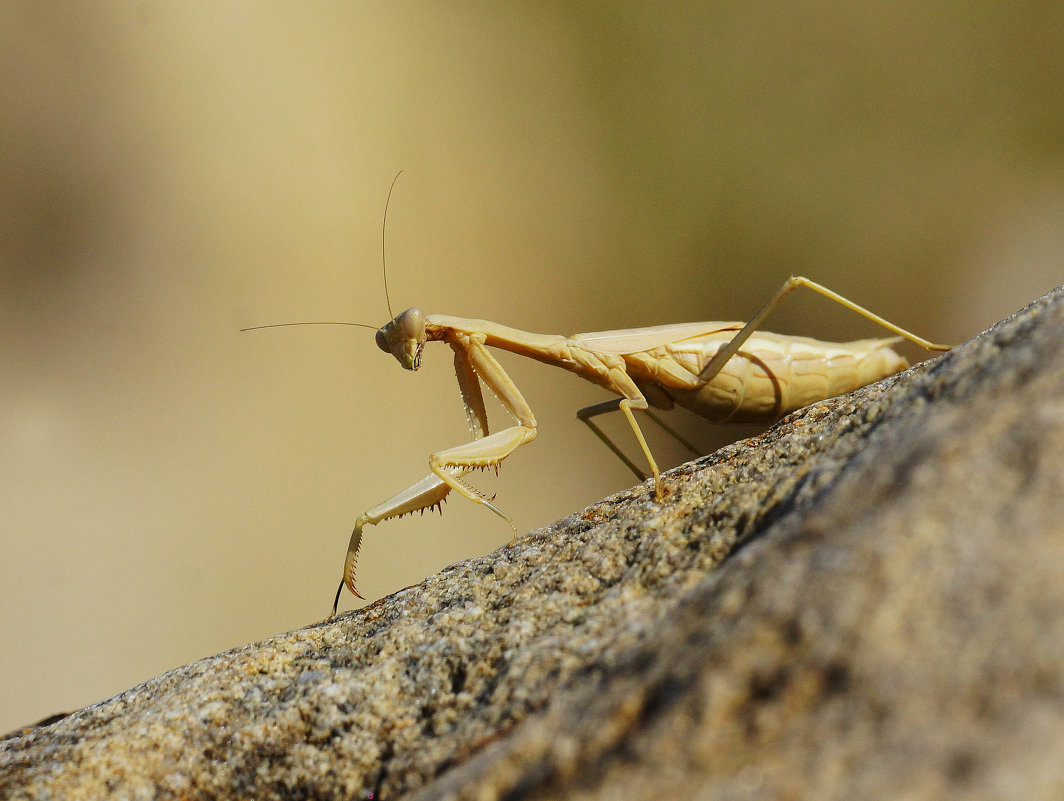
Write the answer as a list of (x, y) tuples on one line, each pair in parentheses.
[(425, 494), (489, 450), (472, 363)]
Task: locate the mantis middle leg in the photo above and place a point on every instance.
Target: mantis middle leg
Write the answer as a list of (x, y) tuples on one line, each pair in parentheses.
[(586, 414), (631, 399)]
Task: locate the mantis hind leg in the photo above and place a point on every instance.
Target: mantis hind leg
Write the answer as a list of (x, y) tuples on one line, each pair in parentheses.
[(721, 358)]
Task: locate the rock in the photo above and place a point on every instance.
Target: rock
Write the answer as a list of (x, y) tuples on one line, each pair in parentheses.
[(865, 601)]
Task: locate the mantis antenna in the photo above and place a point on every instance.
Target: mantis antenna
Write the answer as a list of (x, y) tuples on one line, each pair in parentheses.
[(384, 245), (384, 264), (315, 322)]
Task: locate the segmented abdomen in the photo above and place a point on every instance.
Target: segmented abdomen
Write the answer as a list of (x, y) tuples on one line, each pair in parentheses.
[(774, 374)]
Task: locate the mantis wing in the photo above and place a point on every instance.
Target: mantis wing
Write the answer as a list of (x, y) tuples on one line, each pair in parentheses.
[(635, 340)]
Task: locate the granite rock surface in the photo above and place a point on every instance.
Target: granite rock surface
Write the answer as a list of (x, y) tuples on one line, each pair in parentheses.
[(865, 601)]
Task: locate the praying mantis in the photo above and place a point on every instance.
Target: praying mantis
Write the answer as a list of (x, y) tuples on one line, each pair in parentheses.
[(723, 371)]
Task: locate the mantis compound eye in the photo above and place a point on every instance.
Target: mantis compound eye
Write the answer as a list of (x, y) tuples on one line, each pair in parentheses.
[(412, 324), (382, 341)]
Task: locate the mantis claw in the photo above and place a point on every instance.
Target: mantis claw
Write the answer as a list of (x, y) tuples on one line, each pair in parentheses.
[(349, 564)]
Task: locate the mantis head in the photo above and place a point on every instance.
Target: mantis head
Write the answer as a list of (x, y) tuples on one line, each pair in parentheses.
[(404, 337)]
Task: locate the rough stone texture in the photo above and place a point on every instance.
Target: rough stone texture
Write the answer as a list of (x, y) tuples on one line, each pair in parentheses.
[(866, 601)]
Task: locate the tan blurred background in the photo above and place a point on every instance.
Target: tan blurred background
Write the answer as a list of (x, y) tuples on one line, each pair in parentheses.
[(172, 172)]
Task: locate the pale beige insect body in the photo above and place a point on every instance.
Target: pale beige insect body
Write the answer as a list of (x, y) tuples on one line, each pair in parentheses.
[(725, 372)]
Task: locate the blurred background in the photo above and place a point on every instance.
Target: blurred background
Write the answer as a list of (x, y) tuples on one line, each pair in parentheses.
[(171, 173)]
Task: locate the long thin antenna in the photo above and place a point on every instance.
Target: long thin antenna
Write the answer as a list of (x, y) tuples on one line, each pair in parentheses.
[(384, 246), (384, 264), (282, 325)]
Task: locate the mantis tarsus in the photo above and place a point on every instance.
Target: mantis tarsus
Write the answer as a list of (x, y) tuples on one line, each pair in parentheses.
[(723, 371)]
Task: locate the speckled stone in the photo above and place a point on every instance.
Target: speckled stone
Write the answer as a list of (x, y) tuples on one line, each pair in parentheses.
[(865, 601)]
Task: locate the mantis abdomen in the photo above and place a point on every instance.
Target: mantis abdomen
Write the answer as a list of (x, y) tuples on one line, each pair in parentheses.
[(774, 374)]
